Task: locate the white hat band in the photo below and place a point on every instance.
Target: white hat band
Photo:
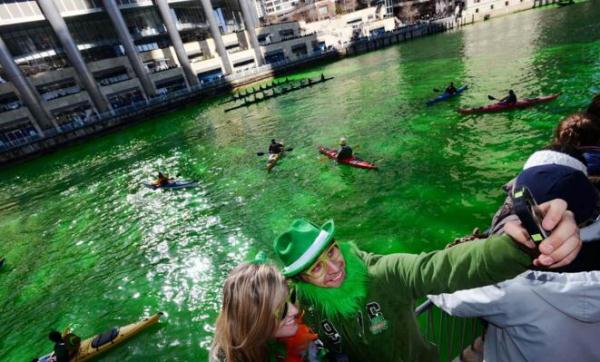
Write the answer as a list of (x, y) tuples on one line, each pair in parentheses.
[(316, 246)]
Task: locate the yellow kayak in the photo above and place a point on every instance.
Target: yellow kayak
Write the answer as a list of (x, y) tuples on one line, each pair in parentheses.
[(98, 344), (273, 158)]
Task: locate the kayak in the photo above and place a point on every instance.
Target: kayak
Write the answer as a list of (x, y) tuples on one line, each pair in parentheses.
[(172, 185), (352, 161), (102, 342), (498, 107), (446, 96), (273, 159)]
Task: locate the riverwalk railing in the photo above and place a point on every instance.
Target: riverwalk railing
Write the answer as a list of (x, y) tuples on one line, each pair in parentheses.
[(450, 334)]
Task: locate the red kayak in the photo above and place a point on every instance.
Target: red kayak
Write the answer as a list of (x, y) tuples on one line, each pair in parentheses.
[(352, 161), (498, 107)]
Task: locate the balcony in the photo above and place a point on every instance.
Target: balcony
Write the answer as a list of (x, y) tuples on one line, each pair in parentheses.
[(114, 79), (10, 106), (59, 93)]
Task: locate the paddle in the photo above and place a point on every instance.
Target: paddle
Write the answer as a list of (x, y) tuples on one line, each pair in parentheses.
[(492, 98), (436, 90), (260, 153)]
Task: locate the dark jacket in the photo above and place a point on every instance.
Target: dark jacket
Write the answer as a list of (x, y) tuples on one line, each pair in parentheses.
[(275, 148), (385, 329), (344, 152)]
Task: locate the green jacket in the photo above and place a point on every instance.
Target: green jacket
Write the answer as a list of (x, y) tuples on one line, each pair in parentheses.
[(386, 328)]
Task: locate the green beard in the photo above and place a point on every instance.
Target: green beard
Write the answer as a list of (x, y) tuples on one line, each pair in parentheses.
[(345, 300)]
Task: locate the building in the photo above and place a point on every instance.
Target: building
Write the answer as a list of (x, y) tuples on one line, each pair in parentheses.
[(476, 10), (67, 63), (277, 7)]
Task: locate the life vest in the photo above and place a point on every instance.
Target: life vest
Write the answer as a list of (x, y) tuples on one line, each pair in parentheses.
[(297, 345)]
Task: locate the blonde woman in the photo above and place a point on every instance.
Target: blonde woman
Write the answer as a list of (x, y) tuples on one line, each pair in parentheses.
[(258, 320)]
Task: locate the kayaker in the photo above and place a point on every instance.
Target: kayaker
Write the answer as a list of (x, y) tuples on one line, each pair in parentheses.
[(162, 180), (345, 151), (60, 348), (259, 320), (362, 304), (511, 98), (451, 89), (72, 342), (275, 147)]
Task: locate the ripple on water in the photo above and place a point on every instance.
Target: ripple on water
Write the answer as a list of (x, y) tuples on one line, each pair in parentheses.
[(89, 246)]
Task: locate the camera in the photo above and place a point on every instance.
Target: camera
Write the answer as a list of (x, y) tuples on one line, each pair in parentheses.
[(525, 207)]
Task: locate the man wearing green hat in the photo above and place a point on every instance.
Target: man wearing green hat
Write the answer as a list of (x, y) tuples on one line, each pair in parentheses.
[(362, 305)]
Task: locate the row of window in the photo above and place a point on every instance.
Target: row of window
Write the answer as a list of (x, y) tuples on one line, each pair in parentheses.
[(96, 30)]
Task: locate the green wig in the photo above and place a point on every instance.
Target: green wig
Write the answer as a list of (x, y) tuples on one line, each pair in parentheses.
[(345, 300)]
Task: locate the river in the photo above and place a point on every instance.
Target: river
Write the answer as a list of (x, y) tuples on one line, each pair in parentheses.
[(89, 247)]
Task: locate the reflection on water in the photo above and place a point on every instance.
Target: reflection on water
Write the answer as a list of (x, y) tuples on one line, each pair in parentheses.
[(89, 246)]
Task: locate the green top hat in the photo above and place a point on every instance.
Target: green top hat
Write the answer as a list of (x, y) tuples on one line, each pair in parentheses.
[(300, 245)]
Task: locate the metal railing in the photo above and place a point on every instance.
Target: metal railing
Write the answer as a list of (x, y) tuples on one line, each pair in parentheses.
[(451, 334)]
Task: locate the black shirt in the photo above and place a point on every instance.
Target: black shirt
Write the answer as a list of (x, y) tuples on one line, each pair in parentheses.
[(344, 152), (61, 353), (275, 148)]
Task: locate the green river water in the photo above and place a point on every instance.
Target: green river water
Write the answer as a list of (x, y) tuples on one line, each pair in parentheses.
[(88, 246)]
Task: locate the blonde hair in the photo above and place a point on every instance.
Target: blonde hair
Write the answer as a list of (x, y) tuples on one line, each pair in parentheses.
[(251, 296)]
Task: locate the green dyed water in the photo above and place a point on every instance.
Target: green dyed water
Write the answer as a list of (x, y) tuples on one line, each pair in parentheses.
[(89, 247)]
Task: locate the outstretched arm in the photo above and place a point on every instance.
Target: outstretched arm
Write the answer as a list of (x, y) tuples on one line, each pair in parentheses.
[(484, 262)]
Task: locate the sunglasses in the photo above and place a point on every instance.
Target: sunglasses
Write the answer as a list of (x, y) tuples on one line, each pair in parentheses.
[(291, 299), (318, 269)]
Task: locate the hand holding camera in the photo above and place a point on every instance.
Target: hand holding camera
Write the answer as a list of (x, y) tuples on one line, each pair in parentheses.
[(560, 246), (528, 211)]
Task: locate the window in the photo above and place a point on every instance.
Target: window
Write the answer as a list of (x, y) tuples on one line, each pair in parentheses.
[(9, 101), (144, 22), (74, 116), (492, 6), (125, 98), (95, 37), (19, 133), (58, 89), (165, 86), (211, 75), (159, 65), (299, 50), (111, 76), (318, 46), (506, 3), (264, 38), (274, 56), (476, 10), (244, 62), (286, 33)]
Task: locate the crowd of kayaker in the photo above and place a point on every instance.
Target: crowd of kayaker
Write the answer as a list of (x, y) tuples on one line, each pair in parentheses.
[(331, 301)]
